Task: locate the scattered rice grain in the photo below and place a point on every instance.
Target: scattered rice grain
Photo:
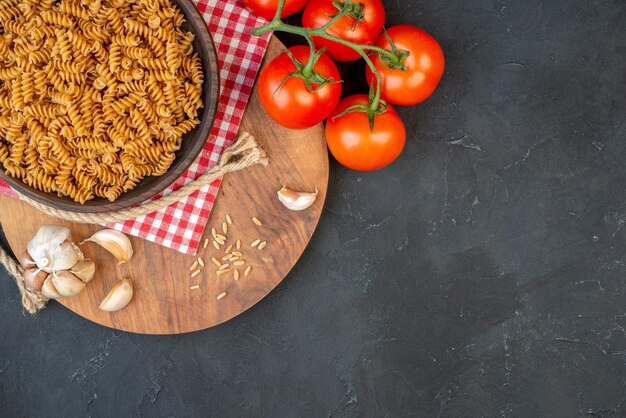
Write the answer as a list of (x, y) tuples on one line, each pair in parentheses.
[(225, 228), (224, 266), (236, 274), (213, 232), (230, 247), (221, 295), (229, 219), (193, 266), (239, 263), (201, 261), (247, 271), (216, 245), (195, 287), (262, 245), (237, 253), (255, 243), (256, 221), (238, 244), (216, 261), (195, 273), (206, 242), (220, 272)]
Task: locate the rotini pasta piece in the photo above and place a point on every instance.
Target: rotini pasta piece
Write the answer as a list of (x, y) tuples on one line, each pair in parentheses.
[(74, 9), (183, 127), (136, 27), (16, 27), (9, 73), (79, 42), (94, 30), (99, 51), (13, 170), (154, 64), (45, 110), (56, 18), (63, 47), (164, 163), (126, 39), (17, 149), (9, 13), (61, 98), (135, 52), (122, 105), (115, 57)]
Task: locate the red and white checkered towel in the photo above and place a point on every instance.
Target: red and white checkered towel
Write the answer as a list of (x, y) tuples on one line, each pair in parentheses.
[(180, 225)]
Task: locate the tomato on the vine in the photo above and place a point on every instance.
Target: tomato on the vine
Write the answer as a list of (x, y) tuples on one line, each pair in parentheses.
[(355, 145), (267, 8), (287, 98), (423, 66), (361, 26)]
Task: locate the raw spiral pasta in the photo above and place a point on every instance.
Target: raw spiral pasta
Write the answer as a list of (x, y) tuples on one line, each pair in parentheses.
[(95, 95)]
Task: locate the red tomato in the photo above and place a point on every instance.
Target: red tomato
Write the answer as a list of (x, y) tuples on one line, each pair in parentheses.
[(424, 64), (292, 104), (267, 8), (318, 12), (354, 145)]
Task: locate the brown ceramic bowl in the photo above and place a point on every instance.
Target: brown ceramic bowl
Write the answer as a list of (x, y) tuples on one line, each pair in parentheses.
[(193, 141)]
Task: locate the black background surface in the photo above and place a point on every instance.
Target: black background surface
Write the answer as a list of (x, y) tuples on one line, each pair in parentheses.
[(482, 274)]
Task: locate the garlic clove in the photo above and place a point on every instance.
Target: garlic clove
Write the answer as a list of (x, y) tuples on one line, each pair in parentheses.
[(114, 242), (67, 255), (48, 289), (52, 249), (34, 278), (118, 297), (26, 260), (294, 200), (66, 283), (84, 270)]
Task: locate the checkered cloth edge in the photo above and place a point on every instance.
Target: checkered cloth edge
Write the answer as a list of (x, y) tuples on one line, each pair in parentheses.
[(180, 226)]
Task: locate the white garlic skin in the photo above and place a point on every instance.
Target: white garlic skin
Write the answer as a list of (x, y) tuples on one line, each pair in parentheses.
[(294, 200), (48, 289), (66, 283), (118, 297), (84, 270), (114, 242), (52, 249)]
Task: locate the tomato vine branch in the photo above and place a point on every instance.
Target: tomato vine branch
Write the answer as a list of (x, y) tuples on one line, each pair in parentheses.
[(347, 7)]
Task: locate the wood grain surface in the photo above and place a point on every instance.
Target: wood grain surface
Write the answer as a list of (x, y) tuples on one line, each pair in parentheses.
[(164, 302)]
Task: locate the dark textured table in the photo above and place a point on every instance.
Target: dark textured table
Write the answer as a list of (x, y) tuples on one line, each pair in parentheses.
[(482, 274)]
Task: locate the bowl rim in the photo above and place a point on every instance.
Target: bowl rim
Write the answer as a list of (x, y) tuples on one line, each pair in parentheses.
[(99, 204)]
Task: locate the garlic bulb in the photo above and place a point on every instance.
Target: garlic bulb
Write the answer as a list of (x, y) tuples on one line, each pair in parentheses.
[(84, 270), (114, 242), (119, 296), (48, 289), (66, 283), (52, 249), (294, 200)]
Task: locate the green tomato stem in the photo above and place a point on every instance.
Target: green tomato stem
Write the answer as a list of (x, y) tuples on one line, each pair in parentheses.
[(278, 25)]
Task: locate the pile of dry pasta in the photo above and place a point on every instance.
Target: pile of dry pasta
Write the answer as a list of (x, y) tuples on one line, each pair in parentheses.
[(94, 94)]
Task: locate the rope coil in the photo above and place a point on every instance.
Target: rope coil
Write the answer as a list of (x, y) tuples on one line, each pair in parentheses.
[(245, 152)]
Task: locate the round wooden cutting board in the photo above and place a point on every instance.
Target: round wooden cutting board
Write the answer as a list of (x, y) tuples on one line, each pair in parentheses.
[(164, 302)]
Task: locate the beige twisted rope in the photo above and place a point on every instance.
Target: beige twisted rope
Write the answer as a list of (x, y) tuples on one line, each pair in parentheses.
[(31, 301), (245, 152)]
